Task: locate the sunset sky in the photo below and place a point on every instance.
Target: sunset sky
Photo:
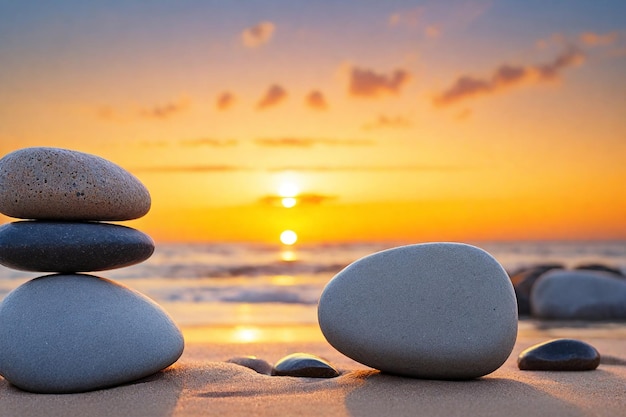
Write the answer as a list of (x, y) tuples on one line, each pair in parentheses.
[(383, 121)]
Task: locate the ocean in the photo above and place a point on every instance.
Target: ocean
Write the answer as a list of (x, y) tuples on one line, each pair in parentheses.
[(240, 284)]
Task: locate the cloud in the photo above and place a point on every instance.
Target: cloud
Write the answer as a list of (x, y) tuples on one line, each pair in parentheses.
[(275, 95), (293, 142), (410, 18), (383, 121), (367, 83), (225, 101), (370, 168), (432, 18), (210, 142), (109, 114), (597, 39), (316, 100), (258, 35), (506, 76), (217, 169), (167, 110), (308, 199), (181, 169)]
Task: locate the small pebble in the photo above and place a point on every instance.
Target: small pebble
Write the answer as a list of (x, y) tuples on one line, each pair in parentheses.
[(559, 355), (304, 365), (254, 363)]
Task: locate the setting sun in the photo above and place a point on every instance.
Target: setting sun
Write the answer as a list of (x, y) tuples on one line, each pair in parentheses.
[(288, 202), (288, 189), (288, 237)]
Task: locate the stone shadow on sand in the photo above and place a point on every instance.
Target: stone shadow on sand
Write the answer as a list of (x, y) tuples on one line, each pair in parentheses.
[(156, 395), (382, 394)]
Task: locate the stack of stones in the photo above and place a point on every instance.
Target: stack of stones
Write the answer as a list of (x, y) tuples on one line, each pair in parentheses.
[(68, 331)]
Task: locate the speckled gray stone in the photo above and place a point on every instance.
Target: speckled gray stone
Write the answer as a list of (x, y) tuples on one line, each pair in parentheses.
[(47, 246), (435, 311), (559, 355), (579, 295), (61, 184), (74, 333), (304, 365)]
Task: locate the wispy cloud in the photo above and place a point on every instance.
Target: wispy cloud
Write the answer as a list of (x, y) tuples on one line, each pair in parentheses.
[(217, 169), (370, 168), (410, 18), (308, 199), (295, 142), (109, 114), (316, 100), (258, 34), (432, 18), (167, 110), (367, 83), (209, 142), (383, 122), (181, 169), (599, 39), (506, 76), (274, 95), (225, 101)]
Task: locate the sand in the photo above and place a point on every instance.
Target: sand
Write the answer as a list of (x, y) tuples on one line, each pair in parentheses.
[(201, 384)]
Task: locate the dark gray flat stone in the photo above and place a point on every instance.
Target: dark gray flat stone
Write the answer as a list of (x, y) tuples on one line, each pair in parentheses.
[(71, 247), (259, 365), (559, 355), (75, 333), (304, 365)]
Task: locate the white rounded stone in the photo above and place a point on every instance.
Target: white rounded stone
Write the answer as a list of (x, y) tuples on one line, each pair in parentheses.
[(61, 184), (434, 310), (74, 333)]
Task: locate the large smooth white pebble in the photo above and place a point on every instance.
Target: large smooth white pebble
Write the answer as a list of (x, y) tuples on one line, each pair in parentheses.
[(435, 310)]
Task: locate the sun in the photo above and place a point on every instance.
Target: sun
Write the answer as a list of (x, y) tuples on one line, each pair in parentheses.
[(288, 192), (288, 189), (288, 237), (288, 202)]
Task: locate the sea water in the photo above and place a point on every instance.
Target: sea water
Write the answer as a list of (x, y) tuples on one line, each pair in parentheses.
[(234, 284)]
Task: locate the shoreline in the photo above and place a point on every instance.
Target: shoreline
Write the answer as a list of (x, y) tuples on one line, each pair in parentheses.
[(201, 383)]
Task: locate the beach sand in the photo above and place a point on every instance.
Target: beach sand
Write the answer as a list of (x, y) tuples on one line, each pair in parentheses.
[(201, 384)]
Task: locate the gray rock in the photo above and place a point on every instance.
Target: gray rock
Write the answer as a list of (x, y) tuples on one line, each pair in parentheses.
[(60, 184), (304, 365), (523, 282), (601, 267), (437, 311), (74, 333), (579, 295), (259, 365), (559, 355), (71, 247)]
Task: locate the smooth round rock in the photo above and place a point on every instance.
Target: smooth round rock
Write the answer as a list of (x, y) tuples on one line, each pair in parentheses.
[(304, 365), (579, 295), (435, 311), (259, 365), (60, 184), (75, 333), (46, 246), (523, 282), (559, 355)]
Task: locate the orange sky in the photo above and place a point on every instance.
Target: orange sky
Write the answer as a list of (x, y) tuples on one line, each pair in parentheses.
[(401, 121)]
